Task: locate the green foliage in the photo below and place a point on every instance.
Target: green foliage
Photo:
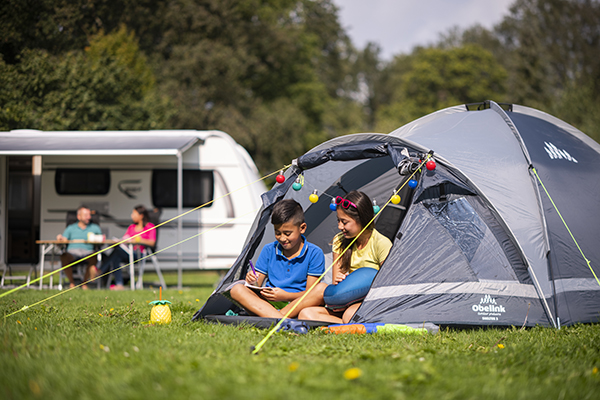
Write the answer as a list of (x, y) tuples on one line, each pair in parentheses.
[(107, 86), (279, 69), (434, 78), (99, 344), (228, 65), (551, 50)]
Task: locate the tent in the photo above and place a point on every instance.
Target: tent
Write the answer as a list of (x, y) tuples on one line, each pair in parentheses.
[(479, 240)]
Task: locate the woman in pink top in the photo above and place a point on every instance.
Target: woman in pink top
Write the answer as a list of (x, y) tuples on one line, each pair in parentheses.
[(139, 216)]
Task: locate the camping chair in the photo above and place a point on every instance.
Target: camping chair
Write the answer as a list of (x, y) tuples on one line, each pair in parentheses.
[(79, 268), (148, 253), (7, 275)]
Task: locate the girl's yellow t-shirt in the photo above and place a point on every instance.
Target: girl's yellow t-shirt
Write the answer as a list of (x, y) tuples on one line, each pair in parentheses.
[(371, 256)]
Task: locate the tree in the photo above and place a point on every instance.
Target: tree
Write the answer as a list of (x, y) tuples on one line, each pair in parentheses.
[(107, 86), (225, 62), (555, 60), (222, 64), (433, 78)]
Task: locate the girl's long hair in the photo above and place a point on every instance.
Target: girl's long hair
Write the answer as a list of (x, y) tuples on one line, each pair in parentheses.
[(362, 215), (144, 213)]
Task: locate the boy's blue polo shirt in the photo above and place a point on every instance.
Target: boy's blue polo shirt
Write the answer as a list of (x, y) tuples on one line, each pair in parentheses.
[(290, 275)]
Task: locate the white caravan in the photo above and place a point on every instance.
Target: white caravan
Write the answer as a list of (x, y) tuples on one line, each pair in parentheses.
[(43, 175)]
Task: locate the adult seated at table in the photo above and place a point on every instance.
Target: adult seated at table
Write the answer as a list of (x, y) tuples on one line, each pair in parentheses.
[(77, 251), (139, 232)]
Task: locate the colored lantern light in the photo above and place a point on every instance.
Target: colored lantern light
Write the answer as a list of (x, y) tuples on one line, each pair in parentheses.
[(412, 183), (280, 178), (396, 199), (299, 183), (313, 197), (376, 208), (332, 205), (430, 165)]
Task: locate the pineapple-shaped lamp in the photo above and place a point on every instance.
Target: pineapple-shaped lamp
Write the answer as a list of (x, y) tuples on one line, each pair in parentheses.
[(161, 313)]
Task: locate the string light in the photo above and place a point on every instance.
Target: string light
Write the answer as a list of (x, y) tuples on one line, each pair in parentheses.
[(332, 205), (280, 178), (376, 208), (297, 185)]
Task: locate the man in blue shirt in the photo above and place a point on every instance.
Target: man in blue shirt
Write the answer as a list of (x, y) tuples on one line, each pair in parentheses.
[(76, 251), (285, 269)]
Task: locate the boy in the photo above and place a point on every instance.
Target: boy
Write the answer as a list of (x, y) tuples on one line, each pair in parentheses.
[(290, 266)]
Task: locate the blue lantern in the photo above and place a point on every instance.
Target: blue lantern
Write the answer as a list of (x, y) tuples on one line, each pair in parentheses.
[(332, 205)]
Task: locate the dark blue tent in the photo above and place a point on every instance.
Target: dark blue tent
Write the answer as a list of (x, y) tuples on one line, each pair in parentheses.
[(478, 241)]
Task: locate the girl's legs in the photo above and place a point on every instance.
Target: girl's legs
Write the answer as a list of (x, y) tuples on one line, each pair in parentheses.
[(320, 314), (113, 262), (349, 312)]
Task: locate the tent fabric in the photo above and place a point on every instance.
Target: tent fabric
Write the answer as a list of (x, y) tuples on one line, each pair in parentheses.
[(477, 242)]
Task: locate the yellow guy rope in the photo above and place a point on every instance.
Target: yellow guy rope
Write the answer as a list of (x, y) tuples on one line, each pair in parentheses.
[(138, 234), (274, 329), (126, 265), (566, 226)]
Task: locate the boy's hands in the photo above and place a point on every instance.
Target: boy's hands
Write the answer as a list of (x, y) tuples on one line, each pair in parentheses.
[(251, 278), (274, 294)]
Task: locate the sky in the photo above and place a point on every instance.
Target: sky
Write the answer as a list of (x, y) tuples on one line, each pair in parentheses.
[(399, 25)]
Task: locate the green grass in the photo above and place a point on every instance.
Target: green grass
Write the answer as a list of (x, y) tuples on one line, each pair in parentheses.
[(99, 345)]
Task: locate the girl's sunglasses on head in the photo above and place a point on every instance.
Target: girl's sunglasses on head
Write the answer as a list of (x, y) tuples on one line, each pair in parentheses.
[(345, 203)]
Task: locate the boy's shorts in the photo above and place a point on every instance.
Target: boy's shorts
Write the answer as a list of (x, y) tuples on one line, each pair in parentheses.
[(278, 304)]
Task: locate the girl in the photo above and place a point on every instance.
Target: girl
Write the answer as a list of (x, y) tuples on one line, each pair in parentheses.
[(353, 273), (120, 254)]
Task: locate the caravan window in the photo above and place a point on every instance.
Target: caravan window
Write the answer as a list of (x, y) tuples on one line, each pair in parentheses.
[(82, 181), (198, 187)]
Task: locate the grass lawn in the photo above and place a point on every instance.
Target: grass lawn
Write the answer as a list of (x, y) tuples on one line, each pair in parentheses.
[(99, 344)]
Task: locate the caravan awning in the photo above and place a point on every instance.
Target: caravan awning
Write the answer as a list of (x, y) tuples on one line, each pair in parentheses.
[(31, 142)]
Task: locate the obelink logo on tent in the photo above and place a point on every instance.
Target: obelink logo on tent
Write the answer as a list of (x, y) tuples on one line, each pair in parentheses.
[(557, 154), (488, 309)]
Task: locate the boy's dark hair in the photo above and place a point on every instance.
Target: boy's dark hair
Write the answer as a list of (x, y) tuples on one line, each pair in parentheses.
[(287, 210)]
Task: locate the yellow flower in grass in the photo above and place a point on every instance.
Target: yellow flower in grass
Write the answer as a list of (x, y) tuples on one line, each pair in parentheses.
[(500, 346), (352, 373), (35, 388), (595, 370), (293, 366)]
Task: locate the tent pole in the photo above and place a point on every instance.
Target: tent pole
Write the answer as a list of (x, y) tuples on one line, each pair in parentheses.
[(179, 220), (553, 288)]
